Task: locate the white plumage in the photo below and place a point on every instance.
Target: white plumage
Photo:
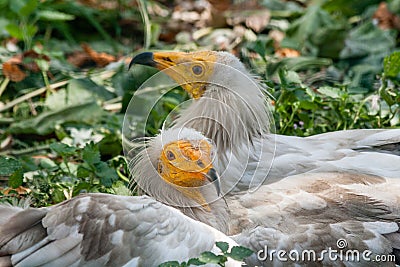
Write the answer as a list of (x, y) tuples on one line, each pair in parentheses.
[(310, 211), (108, 230), (102, 230), (233, 112), (302, 212)]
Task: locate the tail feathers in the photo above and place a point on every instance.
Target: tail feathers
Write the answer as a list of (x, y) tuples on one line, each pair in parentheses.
[(383, 141), (393, 149), (394, 239), (363, 140)]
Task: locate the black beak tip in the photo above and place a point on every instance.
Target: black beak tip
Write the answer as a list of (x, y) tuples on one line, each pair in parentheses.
[(145, 58), (214, 177)]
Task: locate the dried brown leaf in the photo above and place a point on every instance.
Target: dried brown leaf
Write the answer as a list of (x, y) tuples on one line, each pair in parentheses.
[(385, 18), (79, 59), (12, 71), (287, 52), (258, 21), (101, 59), (19, 190)]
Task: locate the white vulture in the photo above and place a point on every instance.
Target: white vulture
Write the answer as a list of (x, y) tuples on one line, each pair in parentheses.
[(108, 230), (229, 106), (305, 213), (297, 217)]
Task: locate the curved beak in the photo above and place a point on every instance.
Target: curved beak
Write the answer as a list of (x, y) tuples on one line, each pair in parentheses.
[(146, 58), (213, 177), (159, 60), (177, 65)]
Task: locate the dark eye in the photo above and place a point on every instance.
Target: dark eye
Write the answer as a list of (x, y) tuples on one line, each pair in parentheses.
[(197, 69), (170, 155), (200, 164)]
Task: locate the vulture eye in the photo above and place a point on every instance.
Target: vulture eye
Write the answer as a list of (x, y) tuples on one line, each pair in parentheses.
[(200, 164), (197, 69), (170, 155)]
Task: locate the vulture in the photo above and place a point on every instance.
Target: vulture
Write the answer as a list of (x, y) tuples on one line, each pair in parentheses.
[(98, 229), (300, 217), (230, 107), (294, 221)]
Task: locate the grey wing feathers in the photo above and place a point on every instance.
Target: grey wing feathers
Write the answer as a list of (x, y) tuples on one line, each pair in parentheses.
[(102, 230), (374, 152), (373, 140), (314, 211)]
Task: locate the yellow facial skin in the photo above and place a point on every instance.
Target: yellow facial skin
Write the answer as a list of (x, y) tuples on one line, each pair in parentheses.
[(190, 70), (187, 165)]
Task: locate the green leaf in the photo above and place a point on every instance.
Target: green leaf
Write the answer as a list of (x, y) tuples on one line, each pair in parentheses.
[(83, 171), (209, 257), (223, 246), (368, 41), (9, 165), (348, 8), (43, 64), (28, 163), (297, 63), (48, 164), (78, 91), (391, 64), (46, 122), (16, 179), (110, 145), (316, 33), (106, 174), (15, 31), (58, 194), (27, 31), (388, 95), (52, 15), (23, 8), (307, 105), (86, 88), (239, 253), (196, 262), (82, 187), (170, 264), (91, 153), (62, 149), (120, 189), (330, 91)]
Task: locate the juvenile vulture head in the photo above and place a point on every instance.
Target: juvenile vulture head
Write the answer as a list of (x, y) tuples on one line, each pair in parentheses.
[(177, 167)]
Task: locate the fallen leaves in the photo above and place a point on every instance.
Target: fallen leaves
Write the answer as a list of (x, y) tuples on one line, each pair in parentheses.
[(15, 68), (88, 56), (256, 19), (287, 52), (282, 52), (19, 191), (385, 18), (12, 70)]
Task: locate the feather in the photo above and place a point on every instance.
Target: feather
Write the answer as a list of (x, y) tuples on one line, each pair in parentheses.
[(104, 230), (233, 112)]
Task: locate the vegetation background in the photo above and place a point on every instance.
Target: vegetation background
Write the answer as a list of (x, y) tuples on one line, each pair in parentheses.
[(64, 82)]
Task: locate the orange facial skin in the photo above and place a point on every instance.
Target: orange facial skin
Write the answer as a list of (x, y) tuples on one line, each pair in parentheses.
[(185, 164), (188, 165), (192, 71)]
